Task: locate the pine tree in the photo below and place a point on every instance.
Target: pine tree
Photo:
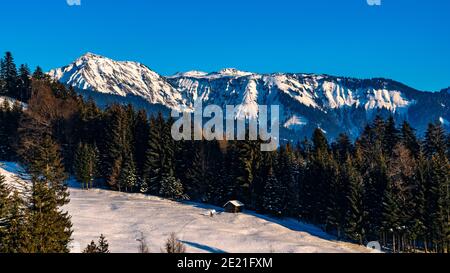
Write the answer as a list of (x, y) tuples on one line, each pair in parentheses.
[(344, 147), (354, 217), (103, 245), (391, 214), (91, 248), (8, 74), (15, 237), (119, 146), (4, 206), (39, 74), (334, 198), (171, 187), (155, 159), (197, 175), (141, 141), (2, 77), (24, 87), (391, 135), (418, 217), (273, 195), (435, 140), (409, 139), (438, 203), (85, 164), (46, 166), (287, 173), (128, 178), (101, 248), (49, 227)]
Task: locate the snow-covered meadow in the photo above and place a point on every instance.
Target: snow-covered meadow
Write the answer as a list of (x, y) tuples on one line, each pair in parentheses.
[(124, 217)]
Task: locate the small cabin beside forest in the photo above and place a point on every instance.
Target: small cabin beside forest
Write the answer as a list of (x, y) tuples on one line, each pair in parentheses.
[(234, 206)]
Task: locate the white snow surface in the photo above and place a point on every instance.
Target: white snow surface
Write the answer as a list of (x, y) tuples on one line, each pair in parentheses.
[(11, 102), (122, 217)]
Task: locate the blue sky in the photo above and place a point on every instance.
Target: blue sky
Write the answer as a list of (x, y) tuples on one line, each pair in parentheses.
[(406, 40)]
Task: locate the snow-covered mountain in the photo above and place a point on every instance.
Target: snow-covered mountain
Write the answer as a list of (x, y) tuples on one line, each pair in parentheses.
[(308, 101), (95, 73)]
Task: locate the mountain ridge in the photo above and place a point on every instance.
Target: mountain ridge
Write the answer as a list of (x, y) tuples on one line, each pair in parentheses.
[(308, 100)]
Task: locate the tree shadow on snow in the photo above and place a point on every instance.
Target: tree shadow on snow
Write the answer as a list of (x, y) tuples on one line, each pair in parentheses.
[(203, 247)]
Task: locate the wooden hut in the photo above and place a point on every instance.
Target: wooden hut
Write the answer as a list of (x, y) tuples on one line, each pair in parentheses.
[(234, 206)]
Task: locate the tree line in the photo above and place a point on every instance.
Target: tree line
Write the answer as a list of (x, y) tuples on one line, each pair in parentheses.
[(388, 185)]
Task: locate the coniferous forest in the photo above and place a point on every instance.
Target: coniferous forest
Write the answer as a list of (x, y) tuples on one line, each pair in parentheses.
[(389, 185)]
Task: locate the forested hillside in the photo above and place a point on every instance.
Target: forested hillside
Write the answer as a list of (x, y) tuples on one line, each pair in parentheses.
[(387, 186)]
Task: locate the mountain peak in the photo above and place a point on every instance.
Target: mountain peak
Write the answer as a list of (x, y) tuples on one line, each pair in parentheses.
[(192, 73), (90, 55), (234, 72)]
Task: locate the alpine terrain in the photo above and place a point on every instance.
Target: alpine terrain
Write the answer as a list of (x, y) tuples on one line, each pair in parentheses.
[(307, 101)]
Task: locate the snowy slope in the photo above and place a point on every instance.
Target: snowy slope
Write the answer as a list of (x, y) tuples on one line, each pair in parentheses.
[(122, 217), (336, 104)]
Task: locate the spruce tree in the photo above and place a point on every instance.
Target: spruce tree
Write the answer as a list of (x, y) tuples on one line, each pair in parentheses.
[(155, 156), (435, 140), (439, 203), (354, 217), (15, 237), (409, 139), (8, 74), (141, 141), (91, 248), (103, 245), (4, 206), (128, 179), (390, 215), (171, 187), (85, 164), (38, 74), (24, 86), (391, 135), (49, 227), (119, 146), (418, 231), (46, 166), (287, 173), (273, 195)]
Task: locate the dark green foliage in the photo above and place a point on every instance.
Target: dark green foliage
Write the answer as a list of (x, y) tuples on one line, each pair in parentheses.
[(101, 248), (9, 122), (409, 139), (387, 186), (159, 168), (274, 193), (14, 235), (120, 168), (435, 140), (24, 84), (38, 74), (85, 164), (353, 205), (8, 76), (140, 141)]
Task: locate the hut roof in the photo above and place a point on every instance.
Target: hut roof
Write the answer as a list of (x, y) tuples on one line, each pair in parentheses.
[(235, 203)]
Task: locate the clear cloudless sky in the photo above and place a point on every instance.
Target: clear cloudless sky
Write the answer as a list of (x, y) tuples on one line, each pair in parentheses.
[(406, 40)]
